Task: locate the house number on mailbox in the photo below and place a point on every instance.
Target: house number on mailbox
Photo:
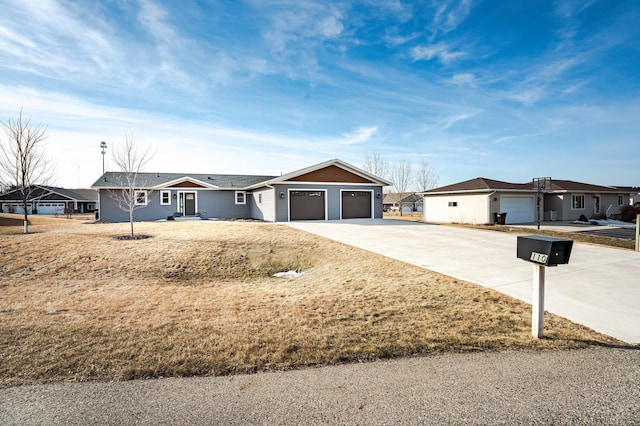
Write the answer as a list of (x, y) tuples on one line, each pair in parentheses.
[(538, 257)]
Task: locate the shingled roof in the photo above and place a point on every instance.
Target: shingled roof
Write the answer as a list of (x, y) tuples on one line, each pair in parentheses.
[(153, 180), (483, 184), (51, 193)]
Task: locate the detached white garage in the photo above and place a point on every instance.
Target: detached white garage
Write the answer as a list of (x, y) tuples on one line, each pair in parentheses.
[(479, 201), (519, 209)]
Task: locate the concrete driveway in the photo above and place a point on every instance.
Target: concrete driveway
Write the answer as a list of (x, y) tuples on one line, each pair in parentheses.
[(599, 288)]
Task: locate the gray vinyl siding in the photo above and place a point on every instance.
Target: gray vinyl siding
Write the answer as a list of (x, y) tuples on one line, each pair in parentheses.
[(333, 197), (210, 204), (221, 204)]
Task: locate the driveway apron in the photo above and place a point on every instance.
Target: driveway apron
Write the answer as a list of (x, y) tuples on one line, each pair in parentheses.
[(599, 288)]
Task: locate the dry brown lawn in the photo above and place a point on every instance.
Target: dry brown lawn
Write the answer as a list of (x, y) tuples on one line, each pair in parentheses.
[(198, 298)]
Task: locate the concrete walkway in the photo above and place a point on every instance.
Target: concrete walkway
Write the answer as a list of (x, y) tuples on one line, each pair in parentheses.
[(599, 288)]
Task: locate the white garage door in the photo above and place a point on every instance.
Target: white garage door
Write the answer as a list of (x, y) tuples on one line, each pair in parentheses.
[(518, 209), (51, 208), (15, 208)]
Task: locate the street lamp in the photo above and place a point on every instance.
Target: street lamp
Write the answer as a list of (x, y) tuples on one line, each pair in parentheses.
[(103, 145)]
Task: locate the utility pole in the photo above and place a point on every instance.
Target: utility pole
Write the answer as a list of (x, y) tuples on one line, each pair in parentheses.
[(103, 145)]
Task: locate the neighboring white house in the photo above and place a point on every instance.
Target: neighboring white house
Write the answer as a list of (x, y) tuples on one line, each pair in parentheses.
[(482, 201)]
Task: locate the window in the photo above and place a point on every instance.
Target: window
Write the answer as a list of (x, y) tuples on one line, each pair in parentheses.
[(453, 204), (241, 197), (141, 197), (165, 198), (260, 198), (577, 202), (620, 199)]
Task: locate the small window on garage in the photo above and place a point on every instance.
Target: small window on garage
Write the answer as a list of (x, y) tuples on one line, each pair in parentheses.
[(165, 198), (453, 204), (577, 202), (241, 197), (141, 198)]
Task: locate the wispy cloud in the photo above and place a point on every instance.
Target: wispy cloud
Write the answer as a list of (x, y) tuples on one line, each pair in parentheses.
[(450, 14), (440, 51), (396, 40), (462, 79), (63, 43), (528, 96), (570, 8), (359, 135)]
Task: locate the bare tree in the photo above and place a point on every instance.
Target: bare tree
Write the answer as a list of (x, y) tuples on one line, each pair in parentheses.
[(23, 163), (402, 176), (426, 176), (131, 162), (375, 164)]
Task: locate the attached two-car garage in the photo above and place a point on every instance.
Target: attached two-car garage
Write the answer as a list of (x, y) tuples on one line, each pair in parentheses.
[(312, 205)]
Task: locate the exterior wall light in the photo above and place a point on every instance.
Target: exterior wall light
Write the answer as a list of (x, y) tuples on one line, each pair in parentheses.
[(282, 195)]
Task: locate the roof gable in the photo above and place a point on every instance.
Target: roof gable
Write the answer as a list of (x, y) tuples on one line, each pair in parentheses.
[(185, 183), (331, 173)]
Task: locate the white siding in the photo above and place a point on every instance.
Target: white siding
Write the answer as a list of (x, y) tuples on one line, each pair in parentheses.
[(263, 204), (470, 208)]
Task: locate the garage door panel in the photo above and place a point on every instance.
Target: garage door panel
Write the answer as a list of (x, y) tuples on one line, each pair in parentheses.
[(356, 205), (307, 205), (518, 209), (51, 208)]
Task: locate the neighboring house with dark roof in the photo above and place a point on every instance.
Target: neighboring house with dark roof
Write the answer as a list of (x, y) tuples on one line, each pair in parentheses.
[(481, 200), (410, 202), (50, 200), (332, 190)]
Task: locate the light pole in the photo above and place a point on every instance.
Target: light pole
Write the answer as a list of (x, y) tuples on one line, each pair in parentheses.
[(103, 145)]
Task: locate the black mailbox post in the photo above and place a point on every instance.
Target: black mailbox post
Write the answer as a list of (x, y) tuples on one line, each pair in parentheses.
[(542, 252)]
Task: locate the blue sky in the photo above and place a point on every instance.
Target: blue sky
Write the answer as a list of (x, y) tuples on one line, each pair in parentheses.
[(507, 90)]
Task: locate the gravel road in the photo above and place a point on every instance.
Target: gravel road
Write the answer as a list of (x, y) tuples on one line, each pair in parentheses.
[(592, 386)]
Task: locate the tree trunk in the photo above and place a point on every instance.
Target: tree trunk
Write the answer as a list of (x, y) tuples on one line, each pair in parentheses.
[(131, 221), (26, 216)]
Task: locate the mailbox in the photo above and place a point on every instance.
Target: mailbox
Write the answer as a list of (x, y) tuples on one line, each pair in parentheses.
[(544, 251)]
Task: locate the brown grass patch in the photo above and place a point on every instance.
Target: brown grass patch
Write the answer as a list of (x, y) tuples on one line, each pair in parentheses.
[(198, 299)]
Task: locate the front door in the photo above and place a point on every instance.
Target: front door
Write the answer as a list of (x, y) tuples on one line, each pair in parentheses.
[(596, 204), (188, 203)]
